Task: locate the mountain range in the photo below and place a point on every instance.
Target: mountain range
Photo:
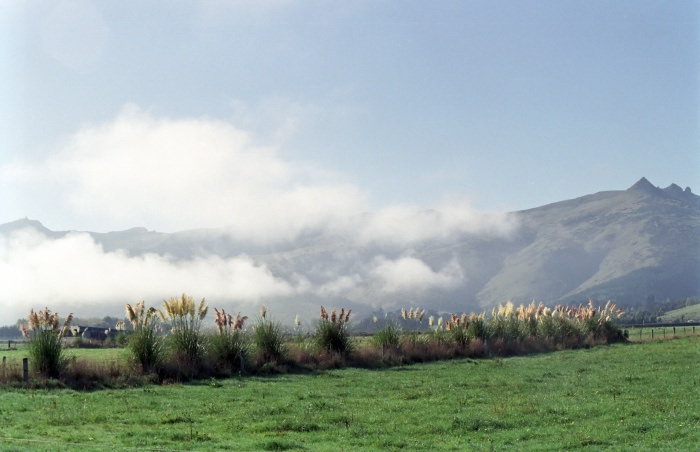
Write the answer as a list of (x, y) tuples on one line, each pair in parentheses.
[(622, 245)]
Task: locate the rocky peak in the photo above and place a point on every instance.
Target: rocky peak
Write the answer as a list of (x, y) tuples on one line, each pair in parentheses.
[(674, 189), (643, 185)]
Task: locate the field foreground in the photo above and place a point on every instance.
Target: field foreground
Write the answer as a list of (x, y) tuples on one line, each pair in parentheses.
[(640, 396)]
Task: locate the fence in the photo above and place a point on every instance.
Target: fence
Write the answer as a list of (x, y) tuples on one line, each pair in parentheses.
[(6, 370), (11, 343), (660, 332)]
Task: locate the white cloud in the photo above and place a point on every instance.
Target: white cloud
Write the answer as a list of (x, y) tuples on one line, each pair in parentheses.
[(403, 224), (75, 272), (411, 274), (340, 286), (188, 173), (176, 174)]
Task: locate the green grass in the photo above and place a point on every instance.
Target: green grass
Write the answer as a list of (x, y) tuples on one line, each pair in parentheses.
[(688, 313), (661, 333), (639, 396), (98, 355)]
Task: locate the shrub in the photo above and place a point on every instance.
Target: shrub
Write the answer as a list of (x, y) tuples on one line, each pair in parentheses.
[(477, 327), (504, 324), (122, 339), (229, 345), (333, 333), (268, 337), (145, 344), (603, 323), (388, 335), (45, 347), (185, 336), (457, 328)]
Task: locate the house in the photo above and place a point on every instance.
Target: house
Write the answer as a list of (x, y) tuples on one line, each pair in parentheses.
[(94, 333)]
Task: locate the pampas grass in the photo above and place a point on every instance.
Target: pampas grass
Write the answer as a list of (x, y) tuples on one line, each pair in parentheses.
[(389, 336), (145, 344), (269, 340), (185, 338), (45, 345), (333, 332), (270, 347), (229, 345)]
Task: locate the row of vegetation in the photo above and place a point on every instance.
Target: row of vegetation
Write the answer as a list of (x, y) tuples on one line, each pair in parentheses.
[(653, 311), (187, 351)]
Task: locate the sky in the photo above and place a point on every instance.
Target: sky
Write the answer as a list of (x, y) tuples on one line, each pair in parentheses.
[(276, 117)]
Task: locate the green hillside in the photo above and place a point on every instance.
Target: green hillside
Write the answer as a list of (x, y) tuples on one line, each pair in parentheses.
[(687, 314)]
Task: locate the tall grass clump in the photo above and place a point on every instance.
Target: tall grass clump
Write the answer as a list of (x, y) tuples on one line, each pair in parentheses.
[(44, 332), (602, 323), (268, 338), (388, 336), (144, 343), (229, 344), (477, 326), (561, 327), (458, 328), (411, 337), (185, 338), (438, 335), (504, 324), (333, 332)]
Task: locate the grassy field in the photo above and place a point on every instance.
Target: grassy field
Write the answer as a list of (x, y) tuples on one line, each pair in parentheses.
[(638, 396), (99, 355), (688, 313), (661, 333)]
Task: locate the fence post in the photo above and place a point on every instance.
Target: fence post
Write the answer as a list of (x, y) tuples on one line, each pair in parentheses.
[(25, 368), (674, 330), (652, 333), (4, 359)]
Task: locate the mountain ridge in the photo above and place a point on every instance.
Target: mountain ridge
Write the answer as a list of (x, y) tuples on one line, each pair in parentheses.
[(623, 245)]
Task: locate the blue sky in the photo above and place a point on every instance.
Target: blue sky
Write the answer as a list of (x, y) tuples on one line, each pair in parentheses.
[(327, 109)]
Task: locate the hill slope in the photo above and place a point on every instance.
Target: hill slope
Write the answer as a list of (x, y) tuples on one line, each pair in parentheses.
[(620, 245), (686, 314)]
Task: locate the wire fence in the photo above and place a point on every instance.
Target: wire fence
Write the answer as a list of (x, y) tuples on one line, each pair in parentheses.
[(641, 333)]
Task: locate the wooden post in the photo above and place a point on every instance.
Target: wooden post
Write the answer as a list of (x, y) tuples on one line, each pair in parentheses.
[(652, 333), (25, 368), (4, 359)]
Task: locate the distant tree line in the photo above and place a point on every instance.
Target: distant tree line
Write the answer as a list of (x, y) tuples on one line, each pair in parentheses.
[(651, 310)]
